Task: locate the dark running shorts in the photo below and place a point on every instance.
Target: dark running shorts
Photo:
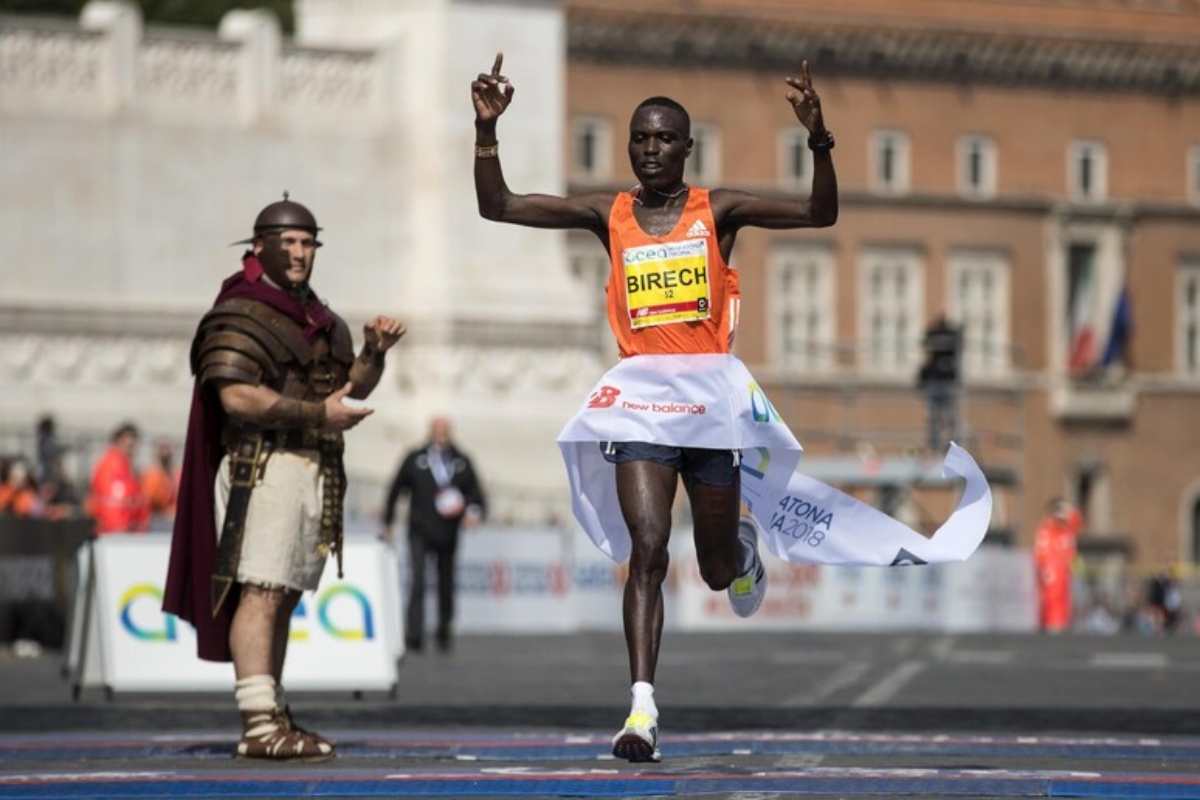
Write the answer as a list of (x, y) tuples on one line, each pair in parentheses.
[(710, 467)]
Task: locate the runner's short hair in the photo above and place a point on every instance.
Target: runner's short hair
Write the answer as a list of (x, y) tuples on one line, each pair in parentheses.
[(658, 101)]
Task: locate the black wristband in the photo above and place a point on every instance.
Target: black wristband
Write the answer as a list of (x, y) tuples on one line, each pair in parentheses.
[(822, 143)]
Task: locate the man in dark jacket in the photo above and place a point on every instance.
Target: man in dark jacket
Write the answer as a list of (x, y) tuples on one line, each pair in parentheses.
[(939, 381), (443, 494)]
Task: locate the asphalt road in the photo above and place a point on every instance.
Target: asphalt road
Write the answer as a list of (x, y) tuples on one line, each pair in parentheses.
[(742, 715)]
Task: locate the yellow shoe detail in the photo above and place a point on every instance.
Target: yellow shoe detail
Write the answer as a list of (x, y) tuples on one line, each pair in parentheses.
[(639, 719)]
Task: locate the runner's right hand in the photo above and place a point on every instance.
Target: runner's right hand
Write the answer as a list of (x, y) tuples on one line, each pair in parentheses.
[(491, 93)]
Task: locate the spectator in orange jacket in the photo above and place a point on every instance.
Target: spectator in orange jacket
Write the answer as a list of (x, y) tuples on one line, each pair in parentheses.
[(160, 485), (1053, 553), (116, 501), (18, 493)]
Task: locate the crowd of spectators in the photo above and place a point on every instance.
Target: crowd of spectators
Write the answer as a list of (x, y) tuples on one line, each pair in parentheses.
[(118, 495), (37, 485)]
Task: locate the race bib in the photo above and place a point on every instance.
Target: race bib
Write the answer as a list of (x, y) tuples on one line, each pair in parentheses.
[(449, 502), (667, 283)]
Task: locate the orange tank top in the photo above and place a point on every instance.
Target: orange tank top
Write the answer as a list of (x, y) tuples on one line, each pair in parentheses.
[(670, 294)]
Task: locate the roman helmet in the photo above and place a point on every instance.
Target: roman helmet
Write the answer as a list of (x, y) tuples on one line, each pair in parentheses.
[(283, 215)]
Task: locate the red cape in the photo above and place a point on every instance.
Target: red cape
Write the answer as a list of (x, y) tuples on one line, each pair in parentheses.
[(188, 592)]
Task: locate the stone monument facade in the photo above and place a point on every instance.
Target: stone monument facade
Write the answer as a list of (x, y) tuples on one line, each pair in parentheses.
[(134, 154)]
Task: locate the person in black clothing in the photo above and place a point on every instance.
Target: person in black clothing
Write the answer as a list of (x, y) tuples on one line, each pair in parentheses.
[(1164, 602), (939, 381), (444, 493), (58, 494)]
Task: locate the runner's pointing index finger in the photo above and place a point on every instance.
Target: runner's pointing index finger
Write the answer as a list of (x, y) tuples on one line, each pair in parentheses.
[(496, 66)]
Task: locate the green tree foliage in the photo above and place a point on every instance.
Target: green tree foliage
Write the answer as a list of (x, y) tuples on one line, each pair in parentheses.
[(205, 13)]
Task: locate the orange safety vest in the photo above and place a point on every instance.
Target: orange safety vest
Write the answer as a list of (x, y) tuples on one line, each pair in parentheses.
[(1053, 551), (116, 501), (670, 294), (1054, 540), (160, 489)]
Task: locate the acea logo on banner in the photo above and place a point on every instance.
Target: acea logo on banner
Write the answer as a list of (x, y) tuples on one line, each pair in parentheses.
[(142, 616), (343, 611)]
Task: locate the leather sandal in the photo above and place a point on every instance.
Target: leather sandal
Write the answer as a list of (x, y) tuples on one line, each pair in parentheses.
[(291, 721), (269, 736)]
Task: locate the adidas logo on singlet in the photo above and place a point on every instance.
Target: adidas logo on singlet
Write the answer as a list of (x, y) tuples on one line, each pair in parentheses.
[(697, 230)]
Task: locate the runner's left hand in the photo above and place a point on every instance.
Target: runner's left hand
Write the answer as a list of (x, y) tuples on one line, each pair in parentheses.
[(805, 101)]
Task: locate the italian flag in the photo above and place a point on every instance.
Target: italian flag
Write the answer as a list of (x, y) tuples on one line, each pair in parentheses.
[(1099, 316)]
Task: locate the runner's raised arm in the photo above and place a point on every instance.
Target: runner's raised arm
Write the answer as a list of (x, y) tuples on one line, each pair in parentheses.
[(491, 94)]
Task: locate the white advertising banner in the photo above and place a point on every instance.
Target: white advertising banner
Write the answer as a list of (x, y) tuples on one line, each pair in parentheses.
[(598, 587), (536, 580), (554, 581), (992, 591), (507, 580), (346, 635)]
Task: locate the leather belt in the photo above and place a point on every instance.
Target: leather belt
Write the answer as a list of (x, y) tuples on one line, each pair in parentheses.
[(293, 439), (245, 463)]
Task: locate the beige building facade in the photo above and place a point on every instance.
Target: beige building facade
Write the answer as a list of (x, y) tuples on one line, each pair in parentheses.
[(1032, 169)]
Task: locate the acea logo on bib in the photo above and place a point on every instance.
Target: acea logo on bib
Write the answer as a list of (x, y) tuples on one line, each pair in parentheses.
[(343, 611)]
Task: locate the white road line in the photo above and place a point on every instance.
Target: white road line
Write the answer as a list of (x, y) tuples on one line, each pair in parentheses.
[(839, 679), (998, 657), (942, 647), (789, 657), (886, 689), (1128, 660)]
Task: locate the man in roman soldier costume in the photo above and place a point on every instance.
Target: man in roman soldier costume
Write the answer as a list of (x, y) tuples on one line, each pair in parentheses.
[(262, 487)]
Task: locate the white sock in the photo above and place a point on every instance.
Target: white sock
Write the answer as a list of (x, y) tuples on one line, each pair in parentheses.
[(256, 693), (643, 699)]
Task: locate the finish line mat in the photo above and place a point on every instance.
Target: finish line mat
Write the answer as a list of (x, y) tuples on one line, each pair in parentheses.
[(373, 764)]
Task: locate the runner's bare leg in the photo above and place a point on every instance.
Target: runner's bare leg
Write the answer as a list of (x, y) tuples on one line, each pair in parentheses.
[(646, 490), (715, 512)]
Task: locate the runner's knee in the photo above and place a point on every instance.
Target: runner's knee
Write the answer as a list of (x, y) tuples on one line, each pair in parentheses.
[(649, 560)]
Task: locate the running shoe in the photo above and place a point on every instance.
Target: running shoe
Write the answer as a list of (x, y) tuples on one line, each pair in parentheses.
[(638, 740), (747, 591)]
